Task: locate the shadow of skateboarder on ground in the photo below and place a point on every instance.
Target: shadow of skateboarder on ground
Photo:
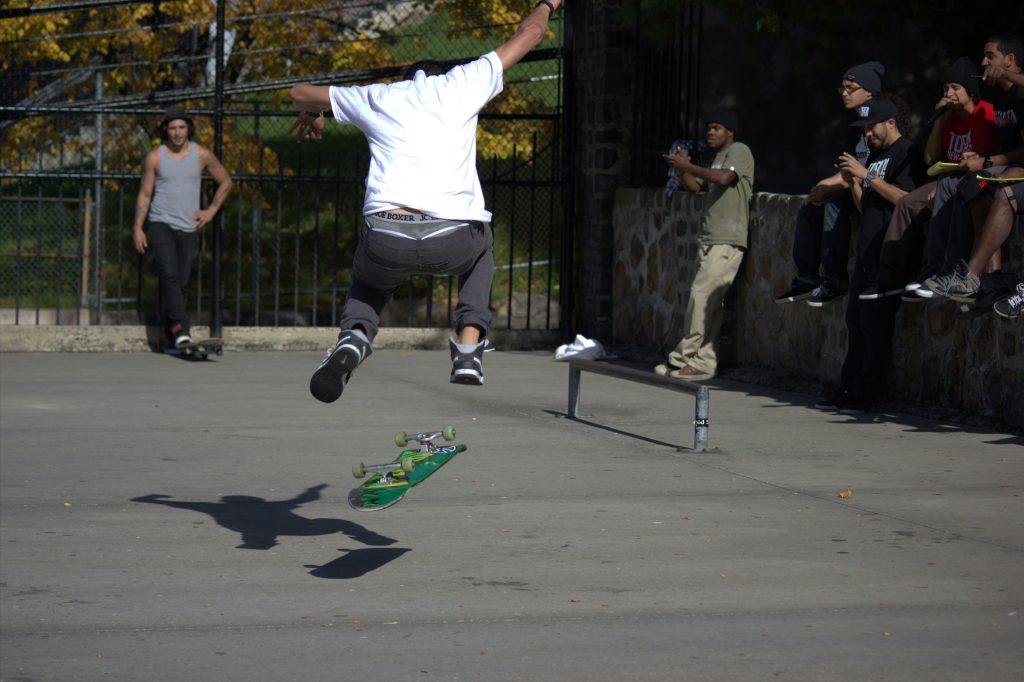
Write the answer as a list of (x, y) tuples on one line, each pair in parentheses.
[(260, 522)]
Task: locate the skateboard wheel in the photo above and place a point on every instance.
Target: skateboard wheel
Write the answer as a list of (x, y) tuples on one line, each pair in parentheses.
[(448, 433), (359, 470), (408, 465), (400, 439)]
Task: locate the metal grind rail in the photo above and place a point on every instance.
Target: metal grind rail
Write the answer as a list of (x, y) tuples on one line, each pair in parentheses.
[(701, 392)]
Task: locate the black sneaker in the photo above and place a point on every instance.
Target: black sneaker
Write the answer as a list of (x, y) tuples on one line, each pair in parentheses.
[(879, 291), (1012, 306), (824, 295), (910, 296), (467, 363), (330, 377), (798, 291), (991, 291)]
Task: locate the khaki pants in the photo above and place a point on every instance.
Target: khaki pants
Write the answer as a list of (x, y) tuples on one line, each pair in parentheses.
[(717, 266)]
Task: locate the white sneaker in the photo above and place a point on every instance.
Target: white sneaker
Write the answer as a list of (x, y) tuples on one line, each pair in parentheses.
[(182, 340)]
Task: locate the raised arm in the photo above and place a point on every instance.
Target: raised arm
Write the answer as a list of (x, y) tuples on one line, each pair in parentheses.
[(310, 100), (529, 34)]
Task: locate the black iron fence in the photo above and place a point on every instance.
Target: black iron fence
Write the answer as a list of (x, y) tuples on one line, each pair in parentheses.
[(280, 251)]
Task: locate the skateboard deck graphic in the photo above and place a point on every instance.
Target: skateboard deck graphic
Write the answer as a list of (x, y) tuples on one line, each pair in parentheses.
[(199, 350), (388, 483)]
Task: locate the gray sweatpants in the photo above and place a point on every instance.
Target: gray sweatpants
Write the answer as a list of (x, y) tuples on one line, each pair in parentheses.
[(392, 247)]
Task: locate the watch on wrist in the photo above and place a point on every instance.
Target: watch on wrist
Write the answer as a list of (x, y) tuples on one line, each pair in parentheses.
[(551, 8), (314, 114), (987, 163)]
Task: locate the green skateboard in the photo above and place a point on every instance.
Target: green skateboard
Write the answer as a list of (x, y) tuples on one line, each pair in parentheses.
[(389, 482)]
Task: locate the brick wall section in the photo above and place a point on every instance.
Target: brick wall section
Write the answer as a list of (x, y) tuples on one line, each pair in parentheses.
[(972, 365), (602, 66)]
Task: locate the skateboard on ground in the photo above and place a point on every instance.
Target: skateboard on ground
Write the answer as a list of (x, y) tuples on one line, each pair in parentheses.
[(388, 483), (199, 350)]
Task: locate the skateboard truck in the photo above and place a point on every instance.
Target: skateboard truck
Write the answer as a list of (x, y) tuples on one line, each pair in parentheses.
[(419, 459), (426, 440), (406, 464)]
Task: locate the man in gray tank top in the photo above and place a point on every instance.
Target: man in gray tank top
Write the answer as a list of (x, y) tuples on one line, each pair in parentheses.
[(168, 208)]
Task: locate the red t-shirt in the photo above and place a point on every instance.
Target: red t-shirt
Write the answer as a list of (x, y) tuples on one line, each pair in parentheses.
[(976, 133)]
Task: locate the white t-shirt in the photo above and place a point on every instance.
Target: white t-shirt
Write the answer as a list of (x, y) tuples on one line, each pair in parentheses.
[(422, 136)]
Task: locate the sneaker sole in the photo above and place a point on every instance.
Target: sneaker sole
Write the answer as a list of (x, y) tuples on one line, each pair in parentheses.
[(467, 378), (328, 381), (794, 299), (958, 297)]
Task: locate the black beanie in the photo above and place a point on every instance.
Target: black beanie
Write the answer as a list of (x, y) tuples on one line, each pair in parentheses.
[(726, 117), (963, 72), (867, 75)]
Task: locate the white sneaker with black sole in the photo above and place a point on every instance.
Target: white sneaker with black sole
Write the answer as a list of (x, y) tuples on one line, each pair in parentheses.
[(329, 379)]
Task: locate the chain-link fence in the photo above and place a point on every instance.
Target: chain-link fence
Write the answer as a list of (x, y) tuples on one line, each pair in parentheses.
[(85, 85)]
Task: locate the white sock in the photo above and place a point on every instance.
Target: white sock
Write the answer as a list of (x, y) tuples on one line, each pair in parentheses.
[(468, 347)]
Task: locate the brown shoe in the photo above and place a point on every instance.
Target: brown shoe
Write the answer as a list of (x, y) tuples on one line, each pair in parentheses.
[(690, 374)]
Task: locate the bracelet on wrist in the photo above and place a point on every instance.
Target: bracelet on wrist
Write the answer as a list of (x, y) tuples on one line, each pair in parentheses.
[(551, 8), (314, 114)]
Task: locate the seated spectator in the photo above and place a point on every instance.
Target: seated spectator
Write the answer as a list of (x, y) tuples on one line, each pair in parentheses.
[(951, 230), (962, 123), (894, 168), (964, 283), (821, 241)]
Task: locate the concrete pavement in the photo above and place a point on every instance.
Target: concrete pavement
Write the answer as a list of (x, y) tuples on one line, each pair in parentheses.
[(168, 520)]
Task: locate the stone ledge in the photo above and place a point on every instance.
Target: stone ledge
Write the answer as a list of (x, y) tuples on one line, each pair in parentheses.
[(139, 339)]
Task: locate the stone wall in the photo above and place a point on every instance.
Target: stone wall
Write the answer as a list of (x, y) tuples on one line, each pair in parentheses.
[(976, 365)]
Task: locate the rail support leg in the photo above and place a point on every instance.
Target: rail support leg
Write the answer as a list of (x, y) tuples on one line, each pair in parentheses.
[(700, 420), (574, 392)]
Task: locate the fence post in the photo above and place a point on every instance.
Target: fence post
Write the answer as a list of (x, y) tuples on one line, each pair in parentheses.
[(97, 307), (216, 323)]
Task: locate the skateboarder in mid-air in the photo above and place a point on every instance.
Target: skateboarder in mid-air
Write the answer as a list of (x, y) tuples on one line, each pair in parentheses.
[(424, 207)]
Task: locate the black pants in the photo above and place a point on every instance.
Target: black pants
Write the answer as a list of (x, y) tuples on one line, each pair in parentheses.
[(869, 324), (822, 240), (174, 251), (386, 257), (951, 230)]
